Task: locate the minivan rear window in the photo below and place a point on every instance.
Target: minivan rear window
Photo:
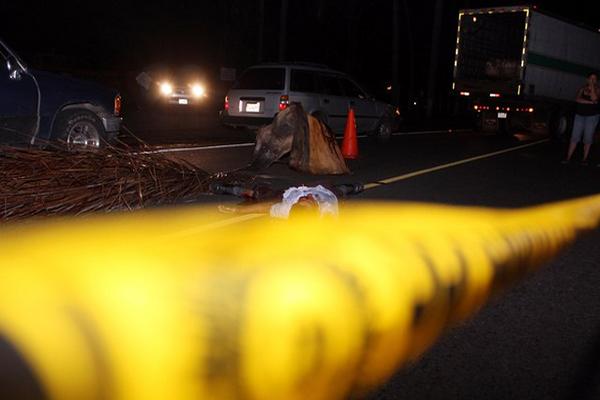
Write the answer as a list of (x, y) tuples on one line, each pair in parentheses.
[(262, 79)]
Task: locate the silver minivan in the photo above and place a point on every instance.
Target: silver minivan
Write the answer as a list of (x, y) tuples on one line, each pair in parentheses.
[(264, 90)]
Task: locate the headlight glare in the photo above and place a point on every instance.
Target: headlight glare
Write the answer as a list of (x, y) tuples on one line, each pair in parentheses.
[(166, 88), (198, 90)]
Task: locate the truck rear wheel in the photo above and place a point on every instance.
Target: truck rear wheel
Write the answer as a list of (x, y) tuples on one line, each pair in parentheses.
[(561, 127)]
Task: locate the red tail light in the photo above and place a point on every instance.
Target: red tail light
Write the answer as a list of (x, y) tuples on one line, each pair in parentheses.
[(226, 105), (284, 102), (117, 108)]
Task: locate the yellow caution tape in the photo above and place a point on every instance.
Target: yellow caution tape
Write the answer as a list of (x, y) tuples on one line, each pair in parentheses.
[(147, 306)]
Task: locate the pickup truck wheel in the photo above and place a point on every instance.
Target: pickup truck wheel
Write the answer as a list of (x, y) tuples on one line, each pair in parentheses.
[(80, 130)]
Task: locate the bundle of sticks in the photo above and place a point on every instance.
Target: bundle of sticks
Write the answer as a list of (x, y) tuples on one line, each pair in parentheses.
[(35, 182)]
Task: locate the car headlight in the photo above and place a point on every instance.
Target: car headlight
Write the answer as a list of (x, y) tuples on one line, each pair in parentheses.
[(166, 88), (198, 90)]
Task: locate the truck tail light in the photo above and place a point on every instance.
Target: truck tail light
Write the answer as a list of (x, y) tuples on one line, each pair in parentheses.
[(226, 104), (117, 108), (284, 102)]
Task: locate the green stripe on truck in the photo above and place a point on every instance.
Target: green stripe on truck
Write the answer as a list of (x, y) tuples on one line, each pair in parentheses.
[(558, 65)]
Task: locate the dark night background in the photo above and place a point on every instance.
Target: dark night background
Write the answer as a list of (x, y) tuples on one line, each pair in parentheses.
[(114, 38)]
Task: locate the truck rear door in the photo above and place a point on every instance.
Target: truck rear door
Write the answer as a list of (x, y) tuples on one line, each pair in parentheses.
[(490, 51)]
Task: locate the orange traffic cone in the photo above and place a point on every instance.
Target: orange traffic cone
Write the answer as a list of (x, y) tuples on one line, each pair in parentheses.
[(350, 143)]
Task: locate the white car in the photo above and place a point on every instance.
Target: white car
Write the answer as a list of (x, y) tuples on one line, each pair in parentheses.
[(264, 90)]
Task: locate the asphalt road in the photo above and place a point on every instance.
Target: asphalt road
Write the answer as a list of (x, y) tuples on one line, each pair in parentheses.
[(539, 340)]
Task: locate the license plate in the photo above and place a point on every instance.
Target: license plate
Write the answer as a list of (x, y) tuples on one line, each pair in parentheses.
[(253, 107), (502, 115), (183, 101)]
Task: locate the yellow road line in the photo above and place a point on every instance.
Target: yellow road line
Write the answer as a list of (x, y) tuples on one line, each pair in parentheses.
[(394, 179), (387, 181), (218, 224)]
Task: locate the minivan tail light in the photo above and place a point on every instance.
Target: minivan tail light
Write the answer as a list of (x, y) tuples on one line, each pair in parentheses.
[(117, 107), (226, 105), (284, 102)]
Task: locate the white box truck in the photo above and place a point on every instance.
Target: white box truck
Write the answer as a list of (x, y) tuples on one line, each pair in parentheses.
[(520, 68)]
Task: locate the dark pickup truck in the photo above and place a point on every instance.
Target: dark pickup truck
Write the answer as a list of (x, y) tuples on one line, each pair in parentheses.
[(38, 107)]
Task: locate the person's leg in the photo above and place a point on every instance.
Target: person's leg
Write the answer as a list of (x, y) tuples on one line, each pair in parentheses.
[(572, 147), (578, 126), (586, 151), (590, 124)]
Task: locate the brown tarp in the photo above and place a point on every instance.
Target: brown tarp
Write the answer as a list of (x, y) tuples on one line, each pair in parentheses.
[(311, 144)]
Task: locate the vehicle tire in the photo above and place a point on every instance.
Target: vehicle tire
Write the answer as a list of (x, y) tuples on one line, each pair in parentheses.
[(562, 125), (80, 130), (383, 131)]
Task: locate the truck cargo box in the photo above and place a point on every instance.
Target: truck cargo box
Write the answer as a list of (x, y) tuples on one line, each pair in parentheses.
[(521, 68), (520, 51)]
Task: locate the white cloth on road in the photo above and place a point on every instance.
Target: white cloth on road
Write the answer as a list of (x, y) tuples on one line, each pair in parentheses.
[(327, 201)]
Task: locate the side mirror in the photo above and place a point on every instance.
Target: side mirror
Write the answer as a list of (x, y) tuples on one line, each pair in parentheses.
[(14, 69)]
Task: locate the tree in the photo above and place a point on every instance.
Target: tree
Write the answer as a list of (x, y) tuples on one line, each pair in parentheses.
[(283, 20), (396, 51), (261, 31), (434, 56), (410, 51), (353, 10)]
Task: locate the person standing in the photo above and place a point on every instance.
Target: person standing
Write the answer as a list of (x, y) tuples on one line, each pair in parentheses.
[(587, 115)]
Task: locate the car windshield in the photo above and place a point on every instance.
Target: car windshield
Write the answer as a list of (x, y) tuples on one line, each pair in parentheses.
[(5, 52), (42, 59), (262, 79)]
